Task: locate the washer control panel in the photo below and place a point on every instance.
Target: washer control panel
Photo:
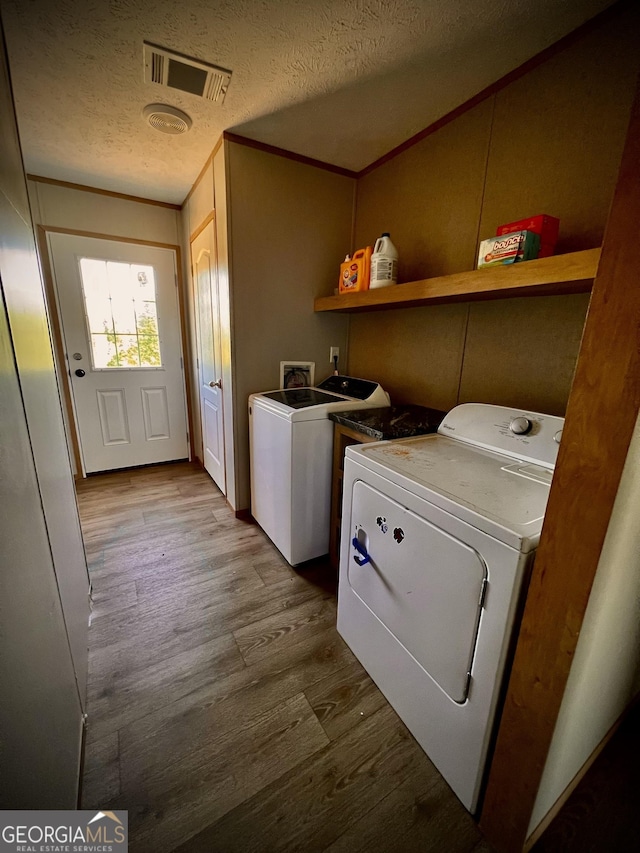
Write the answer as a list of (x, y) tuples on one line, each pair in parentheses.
[(529, 436)]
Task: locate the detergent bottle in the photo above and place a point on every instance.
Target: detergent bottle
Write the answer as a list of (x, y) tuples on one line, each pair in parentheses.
[(384, 263), (354, 272)]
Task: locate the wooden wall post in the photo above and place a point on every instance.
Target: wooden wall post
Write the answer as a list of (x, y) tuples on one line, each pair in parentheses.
[(601, 415)]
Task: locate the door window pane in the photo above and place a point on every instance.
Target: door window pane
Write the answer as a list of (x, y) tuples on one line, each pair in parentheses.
[(120, 307), (103, 349)]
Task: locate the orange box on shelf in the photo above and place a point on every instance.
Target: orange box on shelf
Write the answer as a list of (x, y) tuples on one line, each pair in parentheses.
[(356, 271), (544, 225)]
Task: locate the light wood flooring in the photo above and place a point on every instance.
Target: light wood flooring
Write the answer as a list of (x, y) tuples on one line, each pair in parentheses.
[(225, 712)]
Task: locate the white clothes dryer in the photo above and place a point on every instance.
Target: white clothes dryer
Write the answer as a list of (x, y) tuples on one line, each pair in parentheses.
[(291, 447), (438, 538)]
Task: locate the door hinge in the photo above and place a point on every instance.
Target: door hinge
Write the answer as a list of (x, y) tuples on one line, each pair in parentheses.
[(483, 593), (467, 685), (181, 364)]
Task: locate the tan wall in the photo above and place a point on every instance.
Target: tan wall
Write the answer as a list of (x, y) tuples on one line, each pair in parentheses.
[(288, 225), (550, 142), (430, 198)]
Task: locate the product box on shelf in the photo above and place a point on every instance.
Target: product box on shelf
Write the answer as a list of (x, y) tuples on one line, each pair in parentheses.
[(545, 226), (509, 249)]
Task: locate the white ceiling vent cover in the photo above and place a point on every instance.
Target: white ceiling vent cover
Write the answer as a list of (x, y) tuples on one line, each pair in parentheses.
[(167, 119), (168, 68)]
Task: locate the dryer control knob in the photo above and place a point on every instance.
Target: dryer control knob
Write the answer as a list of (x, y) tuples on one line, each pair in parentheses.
[(520, 426), (558, 437)]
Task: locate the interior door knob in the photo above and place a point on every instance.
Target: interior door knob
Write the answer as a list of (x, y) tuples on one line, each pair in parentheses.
[(217, 384), (79, 372)]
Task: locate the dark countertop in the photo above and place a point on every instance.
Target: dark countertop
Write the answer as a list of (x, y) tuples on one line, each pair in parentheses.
[(391, 421)]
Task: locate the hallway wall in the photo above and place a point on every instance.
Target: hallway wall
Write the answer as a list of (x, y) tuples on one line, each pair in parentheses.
[(44, 586)]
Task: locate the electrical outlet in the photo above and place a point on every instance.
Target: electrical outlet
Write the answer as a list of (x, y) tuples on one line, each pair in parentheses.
[(334, 352)]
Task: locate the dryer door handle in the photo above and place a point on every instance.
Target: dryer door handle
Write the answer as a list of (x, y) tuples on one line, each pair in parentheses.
[(366, 557)]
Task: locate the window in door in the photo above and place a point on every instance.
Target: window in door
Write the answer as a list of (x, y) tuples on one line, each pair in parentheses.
[(121, 315)]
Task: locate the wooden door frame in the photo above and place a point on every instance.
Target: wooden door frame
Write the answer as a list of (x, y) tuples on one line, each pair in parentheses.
[(601, 415), (58, 339)]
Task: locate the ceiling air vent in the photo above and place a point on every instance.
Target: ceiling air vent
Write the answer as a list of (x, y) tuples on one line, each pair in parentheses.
[(168, 68), (167, 119)]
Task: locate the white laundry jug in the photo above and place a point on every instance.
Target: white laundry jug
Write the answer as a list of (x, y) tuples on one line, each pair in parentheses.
[(384, 263)]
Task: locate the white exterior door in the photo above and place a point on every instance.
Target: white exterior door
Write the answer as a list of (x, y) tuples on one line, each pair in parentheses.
[(120, 317), (205, 281)]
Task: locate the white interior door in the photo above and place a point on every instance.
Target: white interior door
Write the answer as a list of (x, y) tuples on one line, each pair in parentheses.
[(120, 317), (205, 279)]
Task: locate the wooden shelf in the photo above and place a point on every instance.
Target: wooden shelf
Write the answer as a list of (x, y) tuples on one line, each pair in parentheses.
[(561, 274)]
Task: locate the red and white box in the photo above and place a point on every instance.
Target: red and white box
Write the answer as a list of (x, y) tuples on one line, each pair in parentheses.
[(545, 226)]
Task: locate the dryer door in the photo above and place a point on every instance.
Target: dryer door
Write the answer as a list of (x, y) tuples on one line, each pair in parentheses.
[(423, 584)]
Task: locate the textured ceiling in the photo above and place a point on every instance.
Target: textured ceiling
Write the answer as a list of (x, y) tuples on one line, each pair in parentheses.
[(343, 81)]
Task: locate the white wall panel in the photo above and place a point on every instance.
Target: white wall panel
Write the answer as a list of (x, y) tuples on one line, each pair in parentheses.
[(81, 210), (201, 200), (43, 582)]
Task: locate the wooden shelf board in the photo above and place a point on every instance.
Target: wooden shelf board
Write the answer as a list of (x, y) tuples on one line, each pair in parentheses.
[(560, 274)]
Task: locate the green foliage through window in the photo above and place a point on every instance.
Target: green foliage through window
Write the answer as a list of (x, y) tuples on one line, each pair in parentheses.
[(144, 351), (120, 306)]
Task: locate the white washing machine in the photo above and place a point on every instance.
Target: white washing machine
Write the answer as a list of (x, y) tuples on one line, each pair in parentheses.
[(438, 537), (291, 448)]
